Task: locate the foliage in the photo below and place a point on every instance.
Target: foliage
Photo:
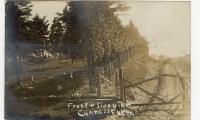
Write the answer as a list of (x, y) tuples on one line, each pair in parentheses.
[(55, 37), (38, 29), (16, 17)]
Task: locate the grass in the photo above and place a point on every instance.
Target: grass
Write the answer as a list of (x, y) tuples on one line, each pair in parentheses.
[(53, 84), (51, 81)]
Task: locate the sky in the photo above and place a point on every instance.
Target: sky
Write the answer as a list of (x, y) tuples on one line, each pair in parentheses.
[(165, 25)]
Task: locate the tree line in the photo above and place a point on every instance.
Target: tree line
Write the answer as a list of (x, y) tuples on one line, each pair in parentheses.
[(87, 30)]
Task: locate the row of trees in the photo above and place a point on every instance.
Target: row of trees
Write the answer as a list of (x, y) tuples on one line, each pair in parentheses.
[(23, 33), (90, 30), (94, 29)]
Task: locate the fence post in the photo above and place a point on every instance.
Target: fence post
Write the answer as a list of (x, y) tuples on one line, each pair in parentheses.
[(99, 86), (110, 72), (122, 92), (116, 78)]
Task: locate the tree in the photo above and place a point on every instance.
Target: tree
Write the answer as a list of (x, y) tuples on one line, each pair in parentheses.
[(94, 27), (16, 16), (71, 39), (141, 51), (55, 37), (38, 33)]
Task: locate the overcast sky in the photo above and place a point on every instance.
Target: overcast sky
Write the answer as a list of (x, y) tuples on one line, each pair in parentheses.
[(165, 25)]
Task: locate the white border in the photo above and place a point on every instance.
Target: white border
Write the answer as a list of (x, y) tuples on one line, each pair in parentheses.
[(195, 59), (2, 29), (195, 5)]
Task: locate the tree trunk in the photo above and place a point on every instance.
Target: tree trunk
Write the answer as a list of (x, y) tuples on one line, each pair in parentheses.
[(18, 69)]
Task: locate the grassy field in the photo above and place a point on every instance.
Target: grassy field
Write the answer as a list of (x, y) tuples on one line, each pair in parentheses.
[(49, 84), (43, 85)]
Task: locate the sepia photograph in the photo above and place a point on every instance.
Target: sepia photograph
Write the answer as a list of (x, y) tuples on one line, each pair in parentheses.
[(97, 60)]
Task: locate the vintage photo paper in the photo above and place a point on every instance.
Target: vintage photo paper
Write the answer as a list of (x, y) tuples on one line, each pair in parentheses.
[(97, 60)]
